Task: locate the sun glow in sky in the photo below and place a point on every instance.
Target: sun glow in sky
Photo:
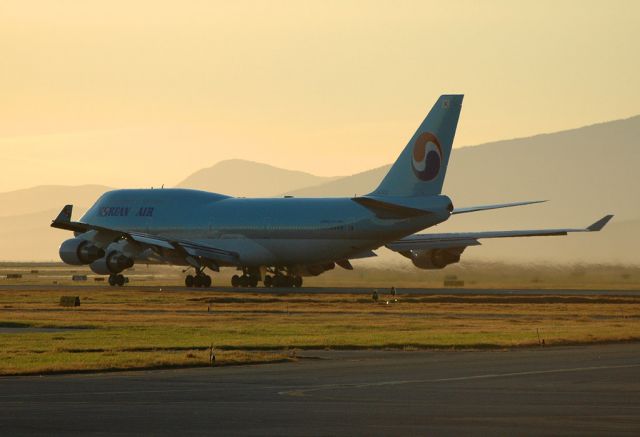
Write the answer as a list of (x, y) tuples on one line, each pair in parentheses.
[(143, 93)]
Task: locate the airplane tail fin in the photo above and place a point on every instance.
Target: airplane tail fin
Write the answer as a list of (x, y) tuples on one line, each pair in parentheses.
[(421, 167)]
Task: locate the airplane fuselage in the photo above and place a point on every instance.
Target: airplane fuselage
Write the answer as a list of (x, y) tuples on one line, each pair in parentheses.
[(264, 231)]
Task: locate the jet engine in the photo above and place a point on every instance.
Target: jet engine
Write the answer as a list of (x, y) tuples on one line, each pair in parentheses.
[(77, 251), (114, 262), (435, 259)]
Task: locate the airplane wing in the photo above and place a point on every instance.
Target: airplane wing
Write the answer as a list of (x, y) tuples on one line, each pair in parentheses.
[(182, 248), (464, 239)]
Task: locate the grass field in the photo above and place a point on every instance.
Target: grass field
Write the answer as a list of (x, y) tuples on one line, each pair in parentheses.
[(133, 328)]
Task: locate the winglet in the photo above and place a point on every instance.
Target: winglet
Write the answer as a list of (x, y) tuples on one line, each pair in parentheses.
[(65, 214), (63, 221), (600, 223)]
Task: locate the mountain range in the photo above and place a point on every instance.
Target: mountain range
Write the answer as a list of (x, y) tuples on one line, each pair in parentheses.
[(584, 173), (240, 178)]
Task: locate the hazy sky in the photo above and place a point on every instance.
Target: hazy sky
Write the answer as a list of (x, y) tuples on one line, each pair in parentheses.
[(140, 93)]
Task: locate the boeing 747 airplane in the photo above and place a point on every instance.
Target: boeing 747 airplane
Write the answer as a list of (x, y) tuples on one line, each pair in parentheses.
[(278, 241)]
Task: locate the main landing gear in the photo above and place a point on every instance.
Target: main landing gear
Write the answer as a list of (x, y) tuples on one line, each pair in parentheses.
[(280, 280), (199, 280), (118, 280), (246, 280), (278, 277)]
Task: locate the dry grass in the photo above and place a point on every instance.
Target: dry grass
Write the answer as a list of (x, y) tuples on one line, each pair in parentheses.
[(28, 362), (131, 328)]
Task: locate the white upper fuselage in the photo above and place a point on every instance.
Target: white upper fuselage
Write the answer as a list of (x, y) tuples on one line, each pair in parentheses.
[(269, 231)]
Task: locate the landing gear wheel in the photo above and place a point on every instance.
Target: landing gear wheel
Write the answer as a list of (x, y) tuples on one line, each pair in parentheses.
[(268, 281), (189, 281), (245, 281), (112, 280), (297, 281), (206, 281), (282, 281), (120, 280), (235, 281), (252, 281), (199, 280)]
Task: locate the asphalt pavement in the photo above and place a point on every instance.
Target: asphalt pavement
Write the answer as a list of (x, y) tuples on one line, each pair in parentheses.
[(586, 390)]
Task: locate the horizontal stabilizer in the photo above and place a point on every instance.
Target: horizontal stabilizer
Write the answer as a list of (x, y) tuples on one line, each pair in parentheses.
[(496, 206), (404, 207), (384, 209)]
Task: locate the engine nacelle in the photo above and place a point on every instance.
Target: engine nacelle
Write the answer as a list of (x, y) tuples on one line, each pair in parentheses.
[(77, 252), (315, 269), (435, 259), (114, 262)]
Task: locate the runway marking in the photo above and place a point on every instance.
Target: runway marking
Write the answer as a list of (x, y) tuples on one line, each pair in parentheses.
[(304, 392)]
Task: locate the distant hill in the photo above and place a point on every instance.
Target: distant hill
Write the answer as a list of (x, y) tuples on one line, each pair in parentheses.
[(28, 237), (25, 233), (584, 172), (357, 184), (237, 177), (46, 197)]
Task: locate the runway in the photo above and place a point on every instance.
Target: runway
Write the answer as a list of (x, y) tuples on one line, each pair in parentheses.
[(334, 290), (591, 390)]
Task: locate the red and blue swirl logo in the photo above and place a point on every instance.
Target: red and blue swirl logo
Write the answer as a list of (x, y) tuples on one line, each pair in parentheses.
[(427, 157)]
